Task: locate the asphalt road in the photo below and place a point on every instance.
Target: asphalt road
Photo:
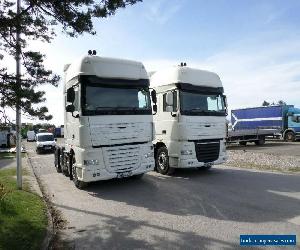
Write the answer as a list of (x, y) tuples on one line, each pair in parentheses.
[(190, 210)]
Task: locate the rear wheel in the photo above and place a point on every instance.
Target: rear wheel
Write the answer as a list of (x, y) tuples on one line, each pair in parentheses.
[(79, 184), (289, 136), (65, 168), (57, 160), (260, 142), (162, 161)]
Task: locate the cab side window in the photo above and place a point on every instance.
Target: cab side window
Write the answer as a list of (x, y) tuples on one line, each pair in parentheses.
[(174, 108), (76, 100)]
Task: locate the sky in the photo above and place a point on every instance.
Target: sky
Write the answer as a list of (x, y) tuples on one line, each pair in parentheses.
[(253, 45)]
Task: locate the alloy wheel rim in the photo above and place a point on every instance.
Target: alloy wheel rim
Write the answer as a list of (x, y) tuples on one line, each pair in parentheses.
[(162, 161)]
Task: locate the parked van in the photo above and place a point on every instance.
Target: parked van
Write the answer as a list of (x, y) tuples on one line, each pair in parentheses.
[(45, 142), (30, 136)]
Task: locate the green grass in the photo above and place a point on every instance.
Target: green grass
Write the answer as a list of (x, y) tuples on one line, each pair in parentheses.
[(6, 155), (23, 219)]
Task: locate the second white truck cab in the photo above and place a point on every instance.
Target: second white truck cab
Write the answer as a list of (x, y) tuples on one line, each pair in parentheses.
[(190, 122), (108, 126)]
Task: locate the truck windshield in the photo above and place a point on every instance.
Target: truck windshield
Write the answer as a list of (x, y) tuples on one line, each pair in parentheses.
[(116, 100), (45, 138), (202, 104)]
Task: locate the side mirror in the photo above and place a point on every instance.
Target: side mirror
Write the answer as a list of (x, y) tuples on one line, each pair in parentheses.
[(169, 108), (225, 104), (70, 95), (154, 107), (153, 96), (70, 108), (225, 101), (169, 99)]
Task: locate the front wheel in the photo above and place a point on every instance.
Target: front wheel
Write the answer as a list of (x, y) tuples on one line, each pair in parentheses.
[(290, 136), (79, 184), (57, 160), (162, 162)]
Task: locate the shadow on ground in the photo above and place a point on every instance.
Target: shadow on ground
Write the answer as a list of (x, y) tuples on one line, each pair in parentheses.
[(226, 194), (119, 232)]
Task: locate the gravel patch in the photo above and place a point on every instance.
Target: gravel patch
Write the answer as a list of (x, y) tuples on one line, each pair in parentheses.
[(263, 161)]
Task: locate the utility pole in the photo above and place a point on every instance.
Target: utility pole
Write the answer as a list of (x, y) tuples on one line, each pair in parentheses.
[(18, 90)]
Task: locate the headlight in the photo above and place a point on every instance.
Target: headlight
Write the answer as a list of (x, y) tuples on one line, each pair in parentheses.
[(39, 145), (91, 162), (186, 152), (151, 154)]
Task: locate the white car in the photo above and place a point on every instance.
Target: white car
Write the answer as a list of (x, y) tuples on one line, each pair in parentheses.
[(45, 142)]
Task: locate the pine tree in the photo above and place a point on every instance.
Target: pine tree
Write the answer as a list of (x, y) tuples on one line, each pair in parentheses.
[(37, 21)]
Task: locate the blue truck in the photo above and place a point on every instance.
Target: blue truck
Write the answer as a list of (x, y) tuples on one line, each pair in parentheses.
[(254, 124)]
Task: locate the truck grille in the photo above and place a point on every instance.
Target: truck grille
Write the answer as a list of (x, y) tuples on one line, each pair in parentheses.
[(207, 151), (122, 158)]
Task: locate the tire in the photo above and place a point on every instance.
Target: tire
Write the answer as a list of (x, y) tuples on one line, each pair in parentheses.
[(57, 160), (65, 168), (289, 136), (243, 143), (162, 162), (79, 184), (260, 142)]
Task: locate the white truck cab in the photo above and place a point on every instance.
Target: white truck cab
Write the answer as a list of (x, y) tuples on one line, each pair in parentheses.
[(190, 122), (108, 126)]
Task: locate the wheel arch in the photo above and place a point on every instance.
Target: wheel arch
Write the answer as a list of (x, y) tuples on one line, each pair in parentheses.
[(288, 130), (157, 146)]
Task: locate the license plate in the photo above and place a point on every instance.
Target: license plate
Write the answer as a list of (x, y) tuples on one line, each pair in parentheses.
[(124, 174), (47, 147), (208, 164)]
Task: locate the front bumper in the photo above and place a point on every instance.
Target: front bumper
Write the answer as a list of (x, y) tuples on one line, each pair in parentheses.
[(91, 174), (113, 161), (45, 148), (194, 163), (201, 154)]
